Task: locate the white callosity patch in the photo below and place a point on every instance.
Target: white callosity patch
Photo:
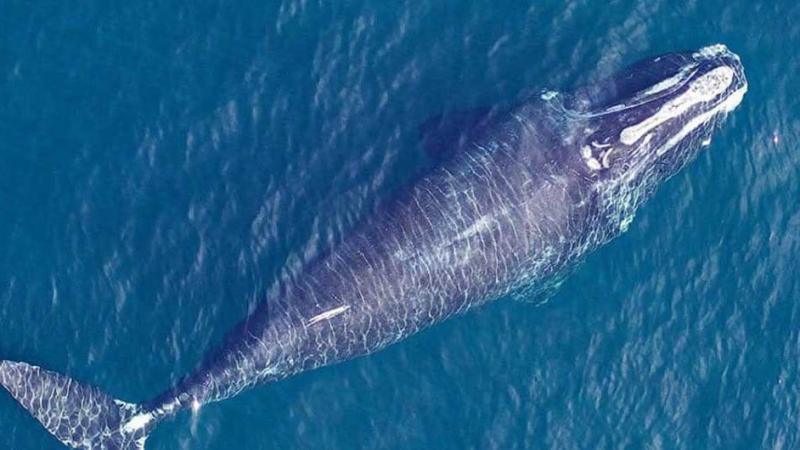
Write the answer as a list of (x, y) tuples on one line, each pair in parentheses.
[(669, 82), (703, 89), (593, 164), (624, 195), (605, 156), (728, 105), (601, 160), (589, 159), (549, 95), (712, 51)]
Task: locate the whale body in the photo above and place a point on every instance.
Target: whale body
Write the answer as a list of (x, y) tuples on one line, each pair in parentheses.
[(525, 196)]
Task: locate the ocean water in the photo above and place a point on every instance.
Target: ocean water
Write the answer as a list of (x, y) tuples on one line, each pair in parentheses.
[(165, 164)]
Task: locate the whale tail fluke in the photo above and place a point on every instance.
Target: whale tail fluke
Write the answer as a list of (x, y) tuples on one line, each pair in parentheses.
[(80, 416)]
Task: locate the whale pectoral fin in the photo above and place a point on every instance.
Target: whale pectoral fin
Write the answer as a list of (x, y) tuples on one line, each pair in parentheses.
[(445, 134)]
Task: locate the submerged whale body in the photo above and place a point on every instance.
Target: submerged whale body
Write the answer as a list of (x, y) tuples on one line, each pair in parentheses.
[(534, 190)]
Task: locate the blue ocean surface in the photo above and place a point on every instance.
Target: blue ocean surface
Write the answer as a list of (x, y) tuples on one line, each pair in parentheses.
[(165, 164)]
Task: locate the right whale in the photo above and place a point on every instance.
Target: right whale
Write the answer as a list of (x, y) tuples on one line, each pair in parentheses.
[(525, 194)]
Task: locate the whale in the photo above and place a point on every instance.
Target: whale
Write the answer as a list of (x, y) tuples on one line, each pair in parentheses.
[(519, 199)]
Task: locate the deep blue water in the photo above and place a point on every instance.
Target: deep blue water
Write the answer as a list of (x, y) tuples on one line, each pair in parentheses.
[(165, 164)]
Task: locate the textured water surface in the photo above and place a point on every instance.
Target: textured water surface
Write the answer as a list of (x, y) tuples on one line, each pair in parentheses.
[(164, 165)]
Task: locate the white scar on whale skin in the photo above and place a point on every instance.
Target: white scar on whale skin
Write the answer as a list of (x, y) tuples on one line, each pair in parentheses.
[(703, 89), (330, 314)]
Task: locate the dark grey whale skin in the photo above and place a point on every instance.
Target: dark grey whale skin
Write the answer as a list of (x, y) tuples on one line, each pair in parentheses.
[(467, 232), (508, 214), (514, 209)]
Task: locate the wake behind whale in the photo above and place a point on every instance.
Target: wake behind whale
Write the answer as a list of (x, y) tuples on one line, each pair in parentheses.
[(523, 197)]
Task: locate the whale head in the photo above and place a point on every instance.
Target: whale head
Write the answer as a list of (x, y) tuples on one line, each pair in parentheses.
[(644, 124)]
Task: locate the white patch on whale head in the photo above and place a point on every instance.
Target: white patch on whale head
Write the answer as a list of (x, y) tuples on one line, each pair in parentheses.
[(728, 105), (588, 158), (703, 89), (668, 83), (712, 51), (593, 164), (549, 95), (604, 159)]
